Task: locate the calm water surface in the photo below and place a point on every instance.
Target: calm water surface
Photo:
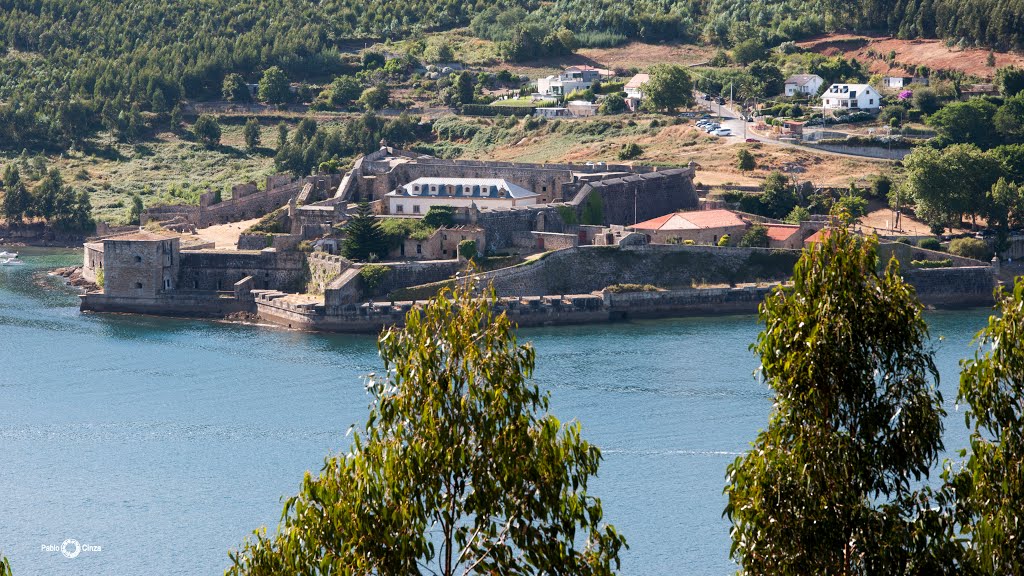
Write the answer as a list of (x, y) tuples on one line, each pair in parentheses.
[(166, 442)]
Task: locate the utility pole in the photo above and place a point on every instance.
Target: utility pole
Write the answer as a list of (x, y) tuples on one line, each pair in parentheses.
[(634, 207)]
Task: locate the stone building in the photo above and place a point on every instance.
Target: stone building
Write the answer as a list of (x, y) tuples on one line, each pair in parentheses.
[(443, 244), (701, 226), (140, 265)]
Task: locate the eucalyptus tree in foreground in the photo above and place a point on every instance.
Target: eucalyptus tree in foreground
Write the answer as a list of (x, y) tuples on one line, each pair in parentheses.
[(460, 471), (826, 488), (990, 486)]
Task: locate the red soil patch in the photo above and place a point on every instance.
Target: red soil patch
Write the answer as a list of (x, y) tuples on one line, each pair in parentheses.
[(910, 53)]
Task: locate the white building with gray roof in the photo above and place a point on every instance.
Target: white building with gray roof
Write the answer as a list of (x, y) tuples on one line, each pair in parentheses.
[(416, 197)]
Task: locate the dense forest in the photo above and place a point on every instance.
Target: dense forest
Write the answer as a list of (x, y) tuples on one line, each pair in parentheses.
[(71, 67)]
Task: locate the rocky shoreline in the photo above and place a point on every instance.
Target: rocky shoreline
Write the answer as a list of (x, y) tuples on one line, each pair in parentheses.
[(73, 274)]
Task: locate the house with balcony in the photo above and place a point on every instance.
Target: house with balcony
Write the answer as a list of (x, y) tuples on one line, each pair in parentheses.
[(851, 97), (570, 79)]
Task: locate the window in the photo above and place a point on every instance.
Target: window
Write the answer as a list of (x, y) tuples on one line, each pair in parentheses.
[(138, 285), (543, 188), (416, 209), (138, 259), (167, 283), (399, 208), (419, 249), (416, 188), (871, 101)]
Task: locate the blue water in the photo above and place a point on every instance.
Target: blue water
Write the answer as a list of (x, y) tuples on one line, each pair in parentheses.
[(165, 442)]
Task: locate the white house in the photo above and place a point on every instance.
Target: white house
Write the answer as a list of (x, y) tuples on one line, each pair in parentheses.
[(634, 88), (576, 78), (851, 97), (803, 84), (897, 82), (582, 108), (416, 197)]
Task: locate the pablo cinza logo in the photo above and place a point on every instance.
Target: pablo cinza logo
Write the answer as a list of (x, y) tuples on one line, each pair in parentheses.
[(71, 548)]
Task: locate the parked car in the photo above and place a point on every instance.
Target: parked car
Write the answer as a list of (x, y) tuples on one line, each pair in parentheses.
[(751, 140), (711, 128), (687, 114), (721, 100), (723, 132)]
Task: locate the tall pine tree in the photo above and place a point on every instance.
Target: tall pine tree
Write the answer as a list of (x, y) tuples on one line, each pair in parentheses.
[(364, 236)]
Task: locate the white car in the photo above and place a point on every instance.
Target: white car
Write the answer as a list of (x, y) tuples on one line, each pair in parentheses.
[(723, 132)]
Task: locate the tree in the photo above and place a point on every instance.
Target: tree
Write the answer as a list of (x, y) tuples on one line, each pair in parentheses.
[(745, 160), (364, 238), (461, 469), (854, 206), (748, 51), (946, 184), (372, 60), (273, 86), (375, 98), (990, 487), (133, 215), (251, 132), (612, 104), (967, 122), (926, 100), (768, 80), (857, 417), (17, 200), (1009, 119), (282, 135), (463, 87), (439, 52), (343, 91), (176, 118), (778, 196), (207, 130), (797, 215), (668, 88), (1010, 81), (755, 237), (234, 88)]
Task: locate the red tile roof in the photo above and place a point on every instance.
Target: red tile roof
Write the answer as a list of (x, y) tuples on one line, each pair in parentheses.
[(782, 232), (698, 219), (818, 236)]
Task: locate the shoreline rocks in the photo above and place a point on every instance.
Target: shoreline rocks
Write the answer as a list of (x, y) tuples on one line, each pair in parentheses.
[(73, 274)]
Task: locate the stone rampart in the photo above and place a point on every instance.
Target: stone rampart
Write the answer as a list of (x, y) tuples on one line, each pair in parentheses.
[(220, 270), (323, 268), (177, 303), (963, 287)]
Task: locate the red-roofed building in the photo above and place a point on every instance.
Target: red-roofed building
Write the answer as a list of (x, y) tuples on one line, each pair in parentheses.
[(784, 236), (701, 226), (818, 236)]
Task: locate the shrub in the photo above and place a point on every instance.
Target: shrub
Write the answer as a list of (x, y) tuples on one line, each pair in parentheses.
[(439, 216), (932, 263), (724, 240), (467, 249), (745, 160), (619, 288), (971, 248), (372, 276), (630, 151), (755, 237), (929, 244), (689, 243)]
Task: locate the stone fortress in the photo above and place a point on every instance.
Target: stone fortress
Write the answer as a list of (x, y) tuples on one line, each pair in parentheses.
[(576, 236)]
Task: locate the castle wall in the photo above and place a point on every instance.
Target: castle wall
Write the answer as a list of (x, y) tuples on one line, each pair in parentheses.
[(139, 269), (220, 270)]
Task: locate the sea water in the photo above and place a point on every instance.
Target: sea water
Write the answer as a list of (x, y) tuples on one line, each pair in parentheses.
[(143, 445)]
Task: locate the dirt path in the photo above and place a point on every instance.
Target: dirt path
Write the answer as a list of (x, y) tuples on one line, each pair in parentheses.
[(225, 236)]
